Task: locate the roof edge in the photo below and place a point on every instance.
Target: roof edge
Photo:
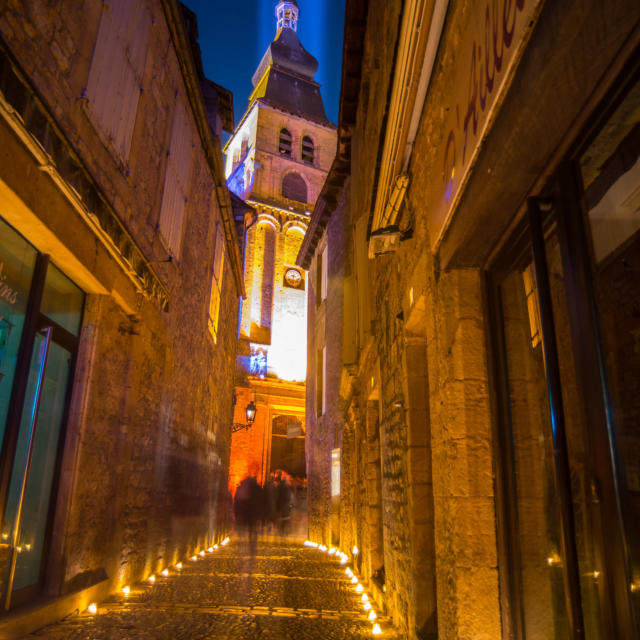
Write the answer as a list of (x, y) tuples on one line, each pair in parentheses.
[(352, 57), (213, 154)]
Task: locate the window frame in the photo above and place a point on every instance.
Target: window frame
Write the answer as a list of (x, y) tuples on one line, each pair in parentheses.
[(173, 206), (309, 151), (285, 146), (130, 48)]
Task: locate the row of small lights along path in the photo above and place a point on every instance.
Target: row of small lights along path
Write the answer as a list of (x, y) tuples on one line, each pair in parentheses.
[(273, 590)]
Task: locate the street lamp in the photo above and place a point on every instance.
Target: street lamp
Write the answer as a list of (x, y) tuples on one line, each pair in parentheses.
[(251, 416)]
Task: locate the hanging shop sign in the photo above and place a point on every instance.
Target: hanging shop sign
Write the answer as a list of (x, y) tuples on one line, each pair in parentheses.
[(294, 430), (479, 76)]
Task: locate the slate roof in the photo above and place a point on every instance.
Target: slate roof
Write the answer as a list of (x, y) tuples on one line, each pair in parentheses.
[(284, 78)]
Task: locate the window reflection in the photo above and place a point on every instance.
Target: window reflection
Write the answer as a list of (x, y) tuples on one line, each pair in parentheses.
[(611, 177), (62, 300)]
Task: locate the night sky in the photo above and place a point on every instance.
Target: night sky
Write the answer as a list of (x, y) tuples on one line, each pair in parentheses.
[(235, 34)]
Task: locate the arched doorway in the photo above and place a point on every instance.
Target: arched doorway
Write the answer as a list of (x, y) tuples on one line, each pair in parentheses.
[(288, 455)]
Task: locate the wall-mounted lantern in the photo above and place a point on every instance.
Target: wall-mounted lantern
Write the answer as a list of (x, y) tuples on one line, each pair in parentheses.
[(250, 411)]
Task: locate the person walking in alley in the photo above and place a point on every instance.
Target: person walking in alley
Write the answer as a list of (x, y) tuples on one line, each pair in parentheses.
[(270, 499), (284, 504), (247, 507)]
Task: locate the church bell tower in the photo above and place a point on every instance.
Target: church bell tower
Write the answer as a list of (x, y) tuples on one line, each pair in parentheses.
[(277, 161)]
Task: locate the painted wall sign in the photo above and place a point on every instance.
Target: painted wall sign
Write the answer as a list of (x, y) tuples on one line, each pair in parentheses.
[(6, 292), (498, 30)]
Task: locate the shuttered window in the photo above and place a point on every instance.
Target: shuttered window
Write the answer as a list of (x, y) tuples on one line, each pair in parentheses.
[(307, 150), (116, 72), (294, 187), (216, 283), (176, 180), (284, 145)]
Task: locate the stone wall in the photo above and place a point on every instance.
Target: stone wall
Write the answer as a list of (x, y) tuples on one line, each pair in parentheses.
[(416, 499), (324, 432), (273, 166), (418, 456), (147, 447)]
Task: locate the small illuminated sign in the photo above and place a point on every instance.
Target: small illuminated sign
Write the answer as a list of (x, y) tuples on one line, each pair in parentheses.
[(294, 430), (335, 472)]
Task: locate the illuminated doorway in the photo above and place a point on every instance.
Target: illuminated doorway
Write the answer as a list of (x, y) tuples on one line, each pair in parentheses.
[(288, 456)]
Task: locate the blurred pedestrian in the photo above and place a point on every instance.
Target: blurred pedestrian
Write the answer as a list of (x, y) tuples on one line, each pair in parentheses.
[(270, 499), (284, 504), (248, 504)]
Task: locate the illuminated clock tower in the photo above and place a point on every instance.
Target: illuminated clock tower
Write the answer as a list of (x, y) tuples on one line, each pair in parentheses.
[(277, 161)]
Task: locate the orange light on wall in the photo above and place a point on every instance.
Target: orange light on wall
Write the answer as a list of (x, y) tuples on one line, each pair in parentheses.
[(247, 445)]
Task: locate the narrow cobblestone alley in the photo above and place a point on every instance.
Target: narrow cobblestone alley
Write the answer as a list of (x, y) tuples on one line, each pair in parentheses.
[(285, 591)]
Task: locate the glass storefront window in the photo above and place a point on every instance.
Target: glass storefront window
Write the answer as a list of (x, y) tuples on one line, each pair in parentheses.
[(536, 506), (610, 170), (41, 476), (17, 263), (62, 300), (549, 568), (38, 342)]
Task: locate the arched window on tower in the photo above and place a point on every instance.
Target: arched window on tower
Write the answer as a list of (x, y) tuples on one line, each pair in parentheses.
[(307, 149), (294, 187), (285, 142)]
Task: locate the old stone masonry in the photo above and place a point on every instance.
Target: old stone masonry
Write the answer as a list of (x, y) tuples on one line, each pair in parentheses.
[(273, 591)]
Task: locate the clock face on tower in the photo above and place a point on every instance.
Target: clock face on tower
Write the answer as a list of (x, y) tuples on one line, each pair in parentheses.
[(292, 277)]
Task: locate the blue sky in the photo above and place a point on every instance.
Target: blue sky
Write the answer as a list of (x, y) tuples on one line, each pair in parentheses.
[(235, 34)]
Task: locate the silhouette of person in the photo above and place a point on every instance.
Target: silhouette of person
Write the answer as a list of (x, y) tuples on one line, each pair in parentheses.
[(284, 503)]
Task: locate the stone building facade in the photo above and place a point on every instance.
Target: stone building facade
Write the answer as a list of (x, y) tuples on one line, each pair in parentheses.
[(481, 317), (277, 161), (120, 280)]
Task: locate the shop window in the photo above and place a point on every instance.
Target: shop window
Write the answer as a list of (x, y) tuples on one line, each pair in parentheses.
[(17, 263), (38, 344), (216, 284), (176, 179), (544, 493), (610, 171), (294, 187), (307, 150), (116, 72), (284, 145)]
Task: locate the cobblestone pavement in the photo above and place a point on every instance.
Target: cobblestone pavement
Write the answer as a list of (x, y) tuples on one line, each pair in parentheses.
[(285, 591)]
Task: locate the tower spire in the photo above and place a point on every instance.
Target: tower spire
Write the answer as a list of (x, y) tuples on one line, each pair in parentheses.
[(287, 15)]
